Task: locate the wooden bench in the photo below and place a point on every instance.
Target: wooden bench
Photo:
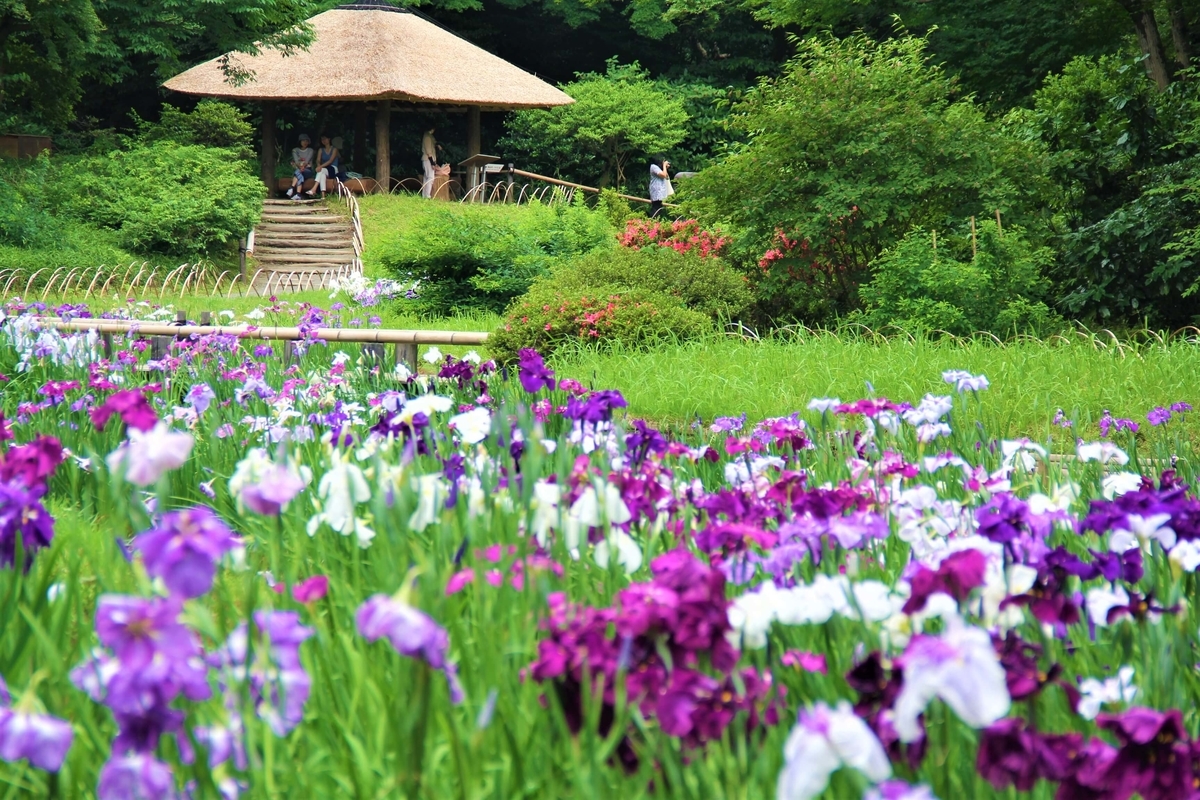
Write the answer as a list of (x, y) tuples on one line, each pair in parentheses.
[(355, 185)]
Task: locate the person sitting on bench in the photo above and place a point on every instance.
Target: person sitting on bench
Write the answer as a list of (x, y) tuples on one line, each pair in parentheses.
[(302, 162), (329, 158)]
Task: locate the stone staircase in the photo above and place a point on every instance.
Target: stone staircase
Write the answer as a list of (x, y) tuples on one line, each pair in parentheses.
[(302, 245)]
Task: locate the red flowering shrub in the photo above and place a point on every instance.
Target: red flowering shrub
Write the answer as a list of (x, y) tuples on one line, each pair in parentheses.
[(546, 318), (812, 279), (682, 236)]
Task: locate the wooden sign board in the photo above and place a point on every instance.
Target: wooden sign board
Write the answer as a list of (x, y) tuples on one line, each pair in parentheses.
[(19, 145)]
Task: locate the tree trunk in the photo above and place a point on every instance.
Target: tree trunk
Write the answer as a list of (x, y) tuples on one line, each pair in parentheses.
[(1179, 34), (1146, 27), (267, 162)]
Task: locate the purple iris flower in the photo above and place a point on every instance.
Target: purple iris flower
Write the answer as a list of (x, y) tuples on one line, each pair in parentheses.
[(728, 424), (1154, 755), (137, 629), (224, 742), (533, 372), (278, 487), (1180, 408), (140, 730), (1003, 518), (899, 790), (279, 684), (411, 632), (135, 777), (200, 397), (1158, 416), (1011, 754), (597, 407), (40, 739), (184, 549), (22, 514)]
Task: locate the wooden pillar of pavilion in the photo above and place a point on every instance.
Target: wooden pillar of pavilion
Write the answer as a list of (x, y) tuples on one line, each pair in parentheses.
[(474, 144), (267, 162), (474, 134), (360, 137), (383, 146)]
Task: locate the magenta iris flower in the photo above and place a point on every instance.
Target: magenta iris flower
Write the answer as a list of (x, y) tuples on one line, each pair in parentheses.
[(131, 405), (184, 549), (311, 590), (39, 739), (33, 462), (956, 576)]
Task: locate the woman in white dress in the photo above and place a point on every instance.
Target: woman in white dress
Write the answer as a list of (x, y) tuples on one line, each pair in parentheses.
[(429, 161), (660, 184)]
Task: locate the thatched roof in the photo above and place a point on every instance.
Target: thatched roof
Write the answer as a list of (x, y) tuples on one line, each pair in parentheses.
[(370, 52)]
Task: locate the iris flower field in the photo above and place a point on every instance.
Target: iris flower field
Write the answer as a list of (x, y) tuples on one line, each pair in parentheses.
[(228, 573)]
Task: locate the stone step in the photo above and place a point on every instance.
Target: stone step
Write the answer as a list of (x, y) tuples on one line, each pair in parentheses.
[(300, 227), (301, 239), (307, 219), (287, 252), (290, 202), (292, 258)]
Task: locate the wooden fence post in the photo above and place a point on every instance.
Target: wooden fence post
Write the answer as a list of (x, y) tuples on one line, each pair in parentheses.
[(406, 354), (374, 352)]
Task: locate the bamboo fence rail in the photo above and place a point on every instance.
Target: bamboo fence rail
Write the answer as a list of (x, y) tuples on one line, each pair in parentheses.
[(406, 342)]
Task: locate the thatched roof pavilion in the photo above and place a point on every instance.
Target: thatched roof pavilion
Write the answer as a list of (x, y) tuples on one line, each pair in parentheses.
[(375, 54)]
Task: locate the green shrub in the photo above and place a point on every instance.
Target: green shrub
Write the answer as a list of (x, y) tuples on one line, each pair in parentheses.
[(211, 124), (706, 285), (32, 238), (179, 200), (548, 317), (84, 248), (1000, 290), (469, 257)]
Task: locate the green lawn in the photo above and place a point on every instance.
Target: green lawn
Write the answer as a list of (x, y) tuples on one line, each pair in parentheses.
[(1030, 381)]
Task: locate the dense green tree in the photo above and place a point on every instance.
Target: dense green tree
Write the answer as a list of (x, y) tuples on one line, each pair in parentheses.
[(53, 55), (44, 51), (1125, 157), (615, 116), (852, 146)]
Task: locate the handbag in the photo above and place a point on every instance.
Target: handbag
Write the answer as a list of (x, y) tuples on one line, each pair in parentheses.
[(670, 188)]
